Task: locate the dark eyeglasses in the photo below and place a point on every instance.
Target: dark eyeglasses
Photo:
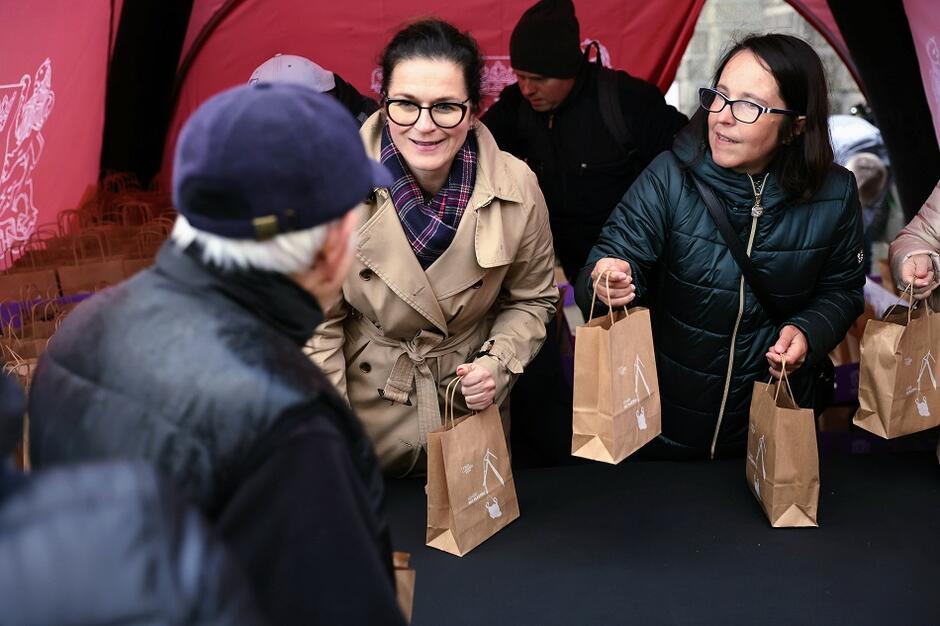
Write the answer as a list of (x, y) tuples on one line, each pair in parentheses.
[(443, 114), (744, 111)]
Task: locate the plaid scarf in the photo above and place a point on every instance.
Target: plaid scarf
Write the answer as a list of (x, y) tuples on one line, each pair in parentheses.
[(430, 223)]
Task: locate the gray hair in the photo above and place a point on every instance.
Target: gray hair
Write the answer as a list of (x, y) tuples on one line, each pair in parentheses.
[(284, 254)]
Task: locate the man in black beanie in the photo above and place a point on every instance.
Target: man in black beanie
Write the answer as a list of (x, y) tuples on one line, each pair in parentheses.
[(587, 132), (554, 118)]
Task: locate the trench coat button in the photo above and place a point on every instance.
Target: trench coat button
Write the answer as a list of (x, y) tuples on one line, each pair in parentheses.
[(365, 367), (365, 274)]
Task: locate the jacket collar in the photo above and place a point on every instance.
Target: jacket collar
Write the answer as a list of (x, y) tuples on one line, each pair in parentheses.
[(493, 177), (735, 188), (480, 229), (274, 298)]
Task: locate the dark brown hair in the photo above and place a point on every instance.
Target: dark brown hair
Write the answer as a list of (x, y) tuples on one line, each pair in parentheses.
[(802, 161), (435, 39)]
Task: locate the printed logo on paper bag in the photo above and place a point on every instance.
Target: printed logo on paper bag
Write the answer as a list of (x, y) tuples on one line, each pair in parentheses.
[(24, 108), (492, 507), (638, 378), (491, 504), (925, 368), (758, 457)]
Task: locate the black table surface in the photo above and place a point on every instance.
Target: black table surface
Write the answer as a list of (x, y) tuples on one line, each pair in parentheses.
[(687, 543)]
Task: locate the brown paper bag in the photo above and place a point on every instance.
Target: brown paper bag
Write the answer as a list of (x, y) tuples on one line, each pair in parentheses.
[(898, 383), (93, 270), (404, 583), (13, 285), (782, 466), (471, 492), (616, 389)]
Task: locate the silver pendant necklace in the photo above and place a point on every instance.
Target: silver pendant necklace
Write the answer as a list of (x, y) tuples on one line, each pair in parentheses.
[(758, 209)]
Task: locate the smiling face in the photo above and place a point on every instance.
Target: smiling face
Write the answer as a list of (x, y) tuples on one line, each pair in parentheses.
[(746, 148), (428, 149)]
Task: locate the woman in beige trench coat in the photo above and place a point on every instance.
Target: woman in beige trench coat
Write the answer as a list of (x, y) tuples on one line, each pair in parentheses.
[(411, 316), (915, 253)]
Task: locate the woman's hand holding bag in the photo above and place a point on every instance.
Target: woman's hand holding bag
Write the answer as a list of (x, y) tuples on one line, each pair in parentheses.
[(618, 290)]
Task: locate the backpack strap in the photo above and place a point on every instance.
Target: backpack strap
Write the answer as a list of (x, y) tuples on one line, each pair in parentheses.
[(609, 98), (611, 112)]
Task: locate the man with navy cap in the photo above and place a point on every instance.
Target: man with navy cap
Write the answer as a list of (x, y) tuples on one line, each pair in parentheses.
[(196, 364)]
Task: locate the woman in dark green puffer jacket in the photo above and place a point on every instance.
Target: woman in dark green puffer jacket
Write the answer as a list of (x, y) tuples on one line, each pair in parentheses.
[(761, 144)]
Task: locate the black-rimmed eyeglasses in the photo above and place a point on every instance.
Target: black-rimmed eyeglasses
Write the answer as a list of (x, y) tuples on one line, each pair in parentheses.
[(744, 111), (443, 114)]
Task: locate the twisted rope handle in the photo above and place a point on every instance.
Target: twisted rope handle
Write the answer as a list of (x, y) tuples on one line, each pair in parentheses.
[(786, 379), (610, 309), (909, 289), (449, 395)]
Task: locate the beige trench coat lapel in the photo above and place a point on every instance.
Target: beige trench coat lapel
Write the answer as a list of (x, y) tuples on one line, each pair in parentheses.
[(401, 272), (481, 229)]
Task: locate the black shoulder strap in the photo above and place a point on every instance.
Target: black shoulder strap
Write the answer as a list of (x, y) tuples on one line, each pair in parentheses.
[(737, 249), (611, 112)]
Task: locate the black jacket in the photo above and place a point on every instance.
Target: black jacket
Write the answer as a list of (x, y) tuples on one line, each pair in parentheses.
[(109, 545), (201, 373), (582, 169), (360, 106), (807, 253)]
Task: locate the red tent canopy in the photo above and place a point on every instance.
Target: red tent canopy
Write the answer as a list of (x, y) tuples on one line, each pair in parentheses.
[(226, 40), (52, 91), (55, 69)]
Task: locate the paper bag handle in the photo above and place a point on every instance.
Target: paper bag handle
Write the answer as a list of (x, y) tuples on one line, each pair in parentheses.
[(786, 379), (610, 309), (449, 395), (910, 309)]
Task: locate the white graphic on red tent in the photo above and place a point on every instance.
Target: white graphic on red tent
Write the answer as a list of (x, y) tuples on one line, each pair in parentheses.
[(24, 108), (925, 368), (497, 73)]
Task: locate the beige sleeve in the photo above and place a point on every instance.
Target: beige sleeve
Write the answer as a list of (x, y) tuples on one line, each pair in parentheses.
[(528, 302), (325, 348)]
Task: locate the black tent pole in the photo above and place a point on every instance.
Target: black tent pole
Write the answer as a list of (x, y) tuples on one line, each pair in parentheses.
[(879, 37), (141, 77)]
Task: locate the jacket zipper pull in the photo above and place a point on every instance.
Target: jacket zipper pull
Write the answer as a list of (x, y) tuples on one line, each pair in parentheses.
[(758, 209)]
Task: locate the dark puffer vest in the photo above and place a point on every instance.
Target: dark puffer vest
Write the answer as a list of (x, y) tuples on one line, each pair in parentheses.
[(189, 370), (111, 544), (710, 332)]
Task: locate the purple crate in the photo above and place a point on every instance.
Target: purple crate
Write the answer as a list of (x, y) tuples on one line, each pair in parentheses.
[(15, 311)]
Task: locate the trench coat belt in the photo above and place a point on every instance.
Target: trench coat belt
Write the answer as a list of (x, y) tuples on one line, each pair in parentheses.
[(411, 370)]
